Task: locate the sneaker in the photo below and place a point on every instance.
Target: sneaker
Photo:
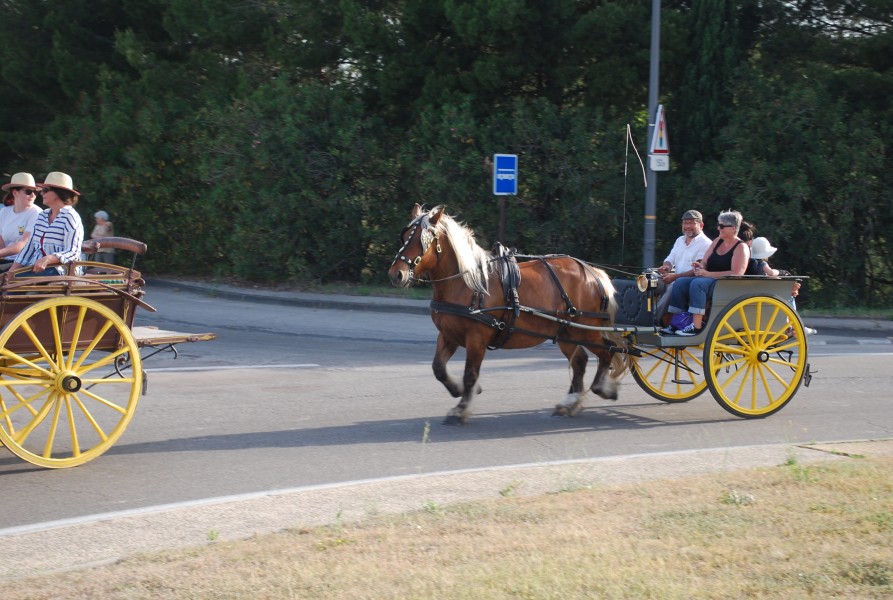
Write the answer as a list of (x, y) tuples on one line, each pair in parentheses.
[(690, 329), (669, 330), (809, 331)]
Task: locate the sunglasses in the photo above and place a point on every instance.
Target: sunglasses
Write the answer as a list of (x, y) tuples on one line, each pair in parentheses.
[(27, 192), (721, 226)]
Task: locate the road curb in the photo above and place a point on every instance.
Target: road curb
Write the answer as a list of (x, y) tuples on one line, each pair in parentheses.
[(872, 327), (305, 299)]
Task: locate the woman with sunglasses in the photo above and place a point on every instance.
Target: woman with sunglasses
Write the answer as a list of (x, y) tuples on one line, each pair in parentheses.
[(17, 218), (58, 232), (727, 255)]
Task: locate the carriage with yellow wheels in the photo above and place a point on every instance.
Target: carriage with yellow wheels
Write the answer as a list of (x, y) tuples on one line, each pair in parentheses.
[(752, 356), (70, 367)]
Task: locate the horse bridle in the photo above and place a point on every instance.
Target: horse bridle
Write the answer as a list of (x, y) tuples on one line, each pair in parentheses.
[(426, 237)]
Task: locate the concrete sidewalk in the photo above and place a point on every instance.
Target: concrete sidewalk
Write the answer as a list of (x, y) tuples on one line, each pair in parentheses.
[(829, 325)]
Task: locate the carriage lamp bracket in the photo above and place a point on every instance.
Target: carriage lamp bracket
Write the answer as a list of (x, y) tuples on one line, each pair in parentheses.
[(647, 280)]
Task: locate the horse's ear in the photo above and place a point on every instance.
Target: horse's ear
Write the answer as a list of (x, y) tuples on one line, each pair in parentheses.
[(416, 212), (435, 215)]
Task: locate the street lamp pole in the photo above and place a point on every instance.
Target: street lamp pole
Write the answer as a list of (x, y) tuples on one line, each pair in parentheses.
[(651, 175)]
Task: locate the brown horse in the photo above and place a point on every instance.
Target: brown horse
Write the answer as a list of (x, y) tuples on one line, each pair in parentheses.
[(558, 298)]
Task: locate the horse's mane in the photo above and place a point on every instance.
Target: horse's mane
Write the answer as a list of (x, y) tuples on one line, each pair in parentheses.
[(474, 262)]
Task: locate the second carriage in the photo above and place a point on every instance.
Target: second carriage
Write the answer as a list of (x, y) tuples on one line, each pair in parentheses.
[(70, 367)]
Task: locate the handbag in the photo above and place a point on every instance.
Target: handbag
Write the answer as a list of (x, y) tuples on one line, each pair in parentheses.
[(681, 320)]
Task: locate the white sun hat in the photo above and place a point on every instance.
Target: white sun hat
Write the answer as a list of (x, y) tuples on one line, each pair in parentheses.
[(59, 180), (25, 180), (761, 249)]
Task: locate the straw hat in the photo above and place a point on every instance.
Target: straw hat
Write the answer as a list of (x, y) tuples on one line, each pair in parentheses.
[(59, 180), (25, 180), (761, 249)]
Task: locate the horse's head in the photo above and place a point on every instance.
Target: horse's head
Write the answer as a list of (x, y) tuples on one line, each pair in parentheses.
[(419, 248)]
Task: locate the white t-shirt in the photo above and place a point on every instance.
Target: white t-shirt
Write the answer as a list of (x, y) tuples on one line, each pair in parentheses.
[(681, 256), (13, 225)]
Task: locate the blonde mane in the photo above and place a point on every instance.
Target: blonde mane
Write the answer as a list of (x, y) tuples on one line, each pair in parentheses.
[(474, 261)]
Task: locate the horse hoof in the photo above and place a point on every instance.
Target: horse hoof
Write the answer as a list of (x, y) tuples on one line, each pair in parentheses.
[(453, 420), (560, 411), (607, 396)]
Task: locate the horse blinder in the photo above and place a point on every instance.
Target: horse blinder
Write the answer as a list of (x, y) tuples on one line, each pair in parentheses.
[(427, 236)]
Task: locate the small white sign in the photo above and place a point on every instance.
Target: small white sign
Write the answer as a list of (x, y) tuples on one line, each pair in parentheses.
[(659, 162)]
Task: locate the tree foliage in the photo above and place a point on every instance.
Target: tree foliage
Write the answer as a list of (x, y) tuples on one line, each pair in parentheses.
[(286, 140)]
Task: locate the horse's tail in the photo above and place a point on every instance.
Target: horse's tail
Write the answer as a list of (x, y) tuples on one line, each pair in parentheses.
[(620, 361)]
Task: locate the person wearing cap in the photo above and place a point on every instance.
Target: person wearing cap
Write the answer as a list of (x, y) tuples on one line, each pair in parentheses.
[(58, 232), (727, 255), (688, 248), (103, 228), (17, 219)]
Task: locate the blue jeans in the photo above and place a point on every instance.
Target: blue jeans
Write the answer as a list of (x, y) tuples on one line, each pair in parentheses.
[(689, 294)]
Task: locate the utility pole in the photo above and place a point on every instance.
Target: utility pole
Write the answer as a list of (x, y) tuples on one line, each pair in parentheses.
[(651, 175)]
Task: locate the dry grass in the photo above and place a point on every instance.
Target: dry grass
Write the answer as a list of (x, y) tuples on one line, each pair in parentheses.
[(787, 532)]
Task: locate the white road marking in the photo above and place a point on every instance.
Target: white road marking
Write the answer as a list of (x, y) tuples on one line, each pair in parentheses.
[(221, 368)]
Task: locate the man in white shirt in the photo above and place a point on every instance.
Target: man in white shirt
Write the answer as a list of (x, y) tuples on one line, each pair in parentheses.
[(689, 247)]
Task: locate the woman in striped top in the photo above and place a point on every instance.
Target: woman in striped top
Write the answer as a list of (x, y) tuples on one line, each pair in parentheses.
[(58, 232)]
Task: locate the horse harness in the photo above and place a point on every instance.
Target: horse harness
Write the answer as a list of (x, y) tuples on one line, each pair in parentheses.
[(426, 237), (510, 279)]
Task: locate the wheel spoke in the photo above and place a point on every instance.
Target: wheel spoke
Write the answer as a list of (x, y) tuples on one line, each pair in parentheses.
[(75, 336), (96, 427), (38, 418), (37, 345)]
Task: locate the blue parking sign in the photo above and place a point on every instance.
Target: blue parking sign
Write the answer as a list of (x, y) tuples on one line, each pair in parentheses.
[(505, 174)]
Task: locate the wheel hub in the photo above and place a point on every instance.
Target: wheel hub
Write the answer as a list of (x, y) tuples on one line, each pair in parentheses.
[(68, 382), (763, 356)]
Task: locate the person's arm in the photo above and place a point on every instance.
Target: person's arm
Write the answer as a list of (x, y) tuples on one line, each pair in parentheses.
[(701, 264), (670, 260), (13, 249), (769, 271), (74, 239)]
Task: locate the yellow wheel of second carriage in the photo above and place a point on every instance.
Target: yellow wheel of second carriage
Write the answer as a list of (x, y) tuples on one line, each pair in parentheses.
[(755, 356), (62, 400)]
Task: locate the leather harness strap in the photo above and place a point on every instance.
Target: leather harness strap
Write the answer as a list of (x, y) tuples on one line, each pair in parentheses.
[(510, 278)]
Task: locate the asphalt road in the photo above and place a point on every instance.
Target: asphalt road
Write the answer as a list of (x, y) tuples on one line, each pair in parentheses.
[(291, 396)]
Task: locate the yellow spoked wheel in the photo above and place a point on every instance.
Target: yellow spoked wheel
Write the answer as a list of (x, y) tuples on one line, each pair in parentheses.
[(670, 374), (755, 356), (70, 378)]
